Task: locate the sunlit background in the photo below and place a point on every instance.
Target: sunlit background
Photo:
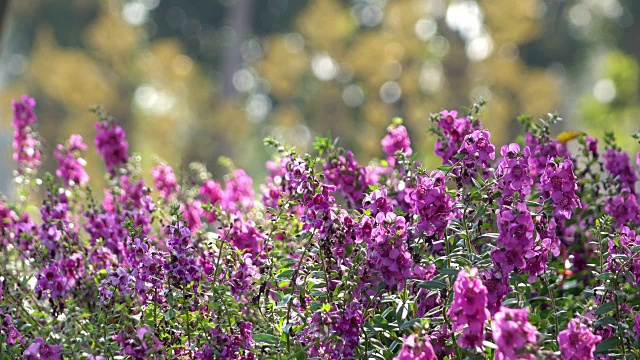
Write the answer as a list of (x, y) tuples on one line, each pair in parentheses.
[(196, 80)]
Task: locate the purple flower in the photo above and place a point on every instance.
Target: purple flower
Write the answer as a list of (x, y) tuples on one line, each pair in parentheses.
[(387, 253), (397, 139), (592, 146), (416, 349), (560, 184), (513, 172), (469, 308), (230, 346), (378, 202), (242, 277), (111, 144), (511, 332), (52, 279), (623, 207), (70, 165), (40, 350), (577, 342), (497, 284), (10, 331), (346, 175), (636, 325), (430, 200), (25, 141), (238, 191), (541, 153), (183, 267), (477, 146), (23, 114), (618, 165), (165, 181), (243, 235), (516, 237), (339, 326), (454, 130)]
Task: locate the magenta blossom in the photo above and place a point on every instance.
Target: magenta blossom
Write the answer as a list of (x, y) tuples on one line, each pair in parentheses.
[(416, 349), (111, 144), (469, 308), (512, 332), (71, 165), (40, 350), (397, 139), (560, 184), (578, 341)]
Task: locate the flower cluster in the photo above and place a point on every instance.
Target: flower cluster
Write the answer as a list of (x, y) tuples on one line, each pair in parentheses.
[(477, 150), (165, 181), (617, 164), (454, 130), (25, 142), (512, 332), (513, 173), (397, 139), (70, 164), (415, 349), (236, 345), (469, 308), (339, 260), (8, 328), (560, 185), (40, 350), (578, 341), (516, 237), (344, 173), (623, 207), (430, 200), (387, 253), (543, 150), (111, 144), (340, 329), (183, 267)]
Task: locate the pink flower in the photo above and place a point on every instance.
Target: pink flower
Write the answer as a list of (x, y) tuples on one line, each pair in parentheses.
[(397, 139), (577, 342), (511, 332), (39, 350), (469, 308), (416, 349), (111, 144)]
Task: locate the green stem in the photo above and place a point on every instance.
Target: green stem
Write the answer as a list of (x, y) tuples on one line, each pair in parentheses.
[(553, 304), (186, 308)]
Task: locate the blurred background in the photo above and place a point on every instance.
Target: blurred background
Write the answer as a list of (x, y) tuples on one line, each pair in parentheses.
[(196, 80)]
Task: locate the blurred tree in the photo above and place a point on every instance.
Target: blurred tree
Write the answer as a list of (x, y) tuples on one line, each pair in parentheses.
[(196, 80)]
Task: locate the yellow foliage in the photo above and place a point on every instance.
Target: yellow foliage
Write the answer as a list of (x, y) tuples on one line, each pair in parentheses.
[(69, 76), (512, 21), (326, 24), (283, 67), (113, 39)]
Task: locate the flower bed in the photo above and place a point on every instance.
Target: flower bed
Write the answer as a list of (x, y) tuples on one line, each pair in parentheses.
[(529, 253)]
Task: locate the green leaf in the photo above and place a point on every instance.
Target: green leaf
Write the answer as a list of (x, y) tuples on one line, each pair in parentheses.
[(605, 308), (605, 321), (607, 344), (432, 284), (605, 276), (409, 324), (444, 168), (266, 339), (448, 271), (539, 298), (401, 313)]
